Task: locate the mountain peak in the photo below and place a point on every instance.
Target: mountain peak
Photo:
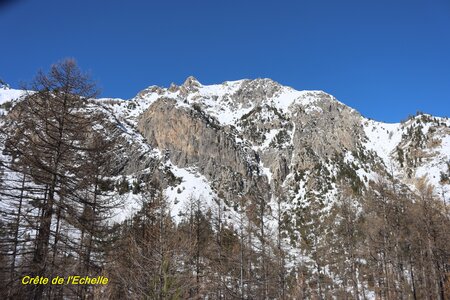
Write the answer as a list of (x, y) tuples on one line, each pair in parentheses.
[(191, 81)]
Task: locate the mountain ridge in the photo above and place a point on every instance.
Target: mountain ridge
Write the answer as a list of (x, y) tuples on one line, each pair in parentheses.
[(267, 135), (254, 152), (231, 102)]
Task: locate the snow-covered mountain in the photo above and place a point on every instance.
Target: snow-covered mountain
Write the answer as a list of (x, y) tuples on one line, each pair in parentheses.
[(297, 165), (228, 137), (281, 132)]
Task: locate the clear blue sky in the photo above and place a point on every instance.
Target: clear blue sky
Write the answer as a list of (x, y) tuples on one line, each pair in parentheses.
[(386, 58)]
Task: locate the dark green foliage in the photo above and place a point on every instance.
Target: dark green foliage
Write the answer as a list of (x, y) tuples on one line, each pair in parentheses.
[(171, 178), (136, 187), (197, 108), (444, 178), (6, 105), (409, 172), (131, 105), (400, 156), (280, 139), (249, 117), (106, 185), (122, 186), (255, 110), (348, 173), (299, 175), (209, 121)]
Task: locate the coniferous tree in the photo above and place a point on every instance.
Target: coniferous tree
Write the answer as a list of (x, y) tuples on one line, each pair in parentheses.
[(50, 149)]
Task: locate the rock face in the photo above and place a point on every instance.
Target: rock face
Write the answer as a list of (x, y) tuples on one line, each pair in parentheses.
[(189, 137), (308, 136), (284, 141), (256, 92), (331, 129)]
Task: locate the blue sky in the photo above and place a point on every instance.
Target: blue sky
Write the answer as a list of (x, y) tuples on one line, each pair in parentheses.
[(385, 58)]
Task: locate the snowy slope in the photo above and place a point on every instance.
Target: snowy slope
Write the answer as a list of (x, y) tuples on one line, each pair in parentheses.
[(7, 94), (383, 138)]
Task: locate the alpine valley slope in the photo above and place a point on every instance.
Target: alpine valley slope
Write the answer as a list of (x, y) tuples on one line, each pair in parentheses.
[(238, 137), (239, 142)]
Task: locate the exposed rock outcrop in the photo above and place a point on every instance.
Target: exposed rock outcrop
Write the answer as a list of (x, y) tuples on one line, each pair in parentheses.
[(192, 138)]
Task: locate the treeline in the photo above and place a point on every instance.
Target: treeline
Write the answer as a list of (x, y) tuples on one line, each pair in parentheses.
[(383, 242), (389, 243)]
